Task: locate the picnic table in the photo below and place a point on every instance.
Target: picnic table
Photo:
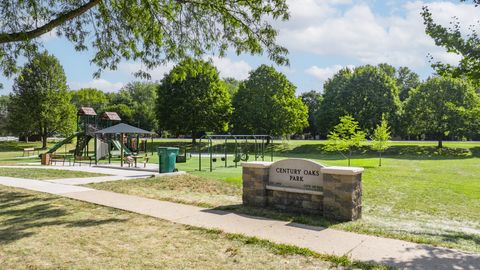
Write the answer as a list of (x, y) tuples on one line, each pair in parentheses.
[(136, 158)]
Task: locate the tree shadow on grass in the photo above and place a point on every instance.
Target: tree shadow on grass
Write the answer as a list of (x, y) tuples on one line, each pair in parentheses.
[(411, 152), (20, 213), (453, 237)]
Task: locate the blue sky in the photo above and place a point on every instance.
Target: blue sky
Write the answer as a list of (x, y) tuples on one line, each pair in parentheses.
[(321, 35)]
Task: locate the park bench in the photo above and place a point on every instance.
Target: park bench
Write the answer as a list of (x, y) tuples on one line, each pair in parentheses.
[(29, 151), (132, 160), (59, 158), (82, 159)]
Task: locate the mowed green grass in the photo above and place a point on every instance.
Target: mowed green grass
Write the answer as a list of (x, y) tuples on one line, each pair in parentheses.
[(45, 174), (41, 231), (419, 194)]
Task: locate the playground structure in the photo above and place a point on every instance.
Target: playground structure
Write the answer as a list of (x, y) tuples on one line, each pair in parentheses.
[(88, 125), (128, 146), (244, 148)]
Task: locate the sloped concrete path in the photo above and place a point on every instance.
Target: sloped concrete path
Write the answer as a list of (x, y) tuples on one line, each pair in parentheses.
[(400, 254), (112, 174)]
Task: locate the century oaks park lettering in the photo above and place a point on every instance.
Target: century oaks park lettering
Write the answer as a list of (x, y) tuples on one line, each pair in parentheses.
[(297, 174)]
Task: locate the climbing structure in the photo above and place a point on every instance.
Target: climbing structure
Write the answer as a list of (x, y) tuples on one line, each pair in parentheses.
[(87, 123)]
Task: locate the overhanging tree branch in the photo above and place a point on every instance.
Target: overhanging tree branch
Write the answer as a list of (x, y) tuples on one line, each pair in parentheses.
[(28, 35)]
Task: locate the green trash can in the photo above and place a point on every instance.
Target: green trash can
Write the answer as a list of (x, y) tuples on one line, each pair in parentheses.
[(166, 158)]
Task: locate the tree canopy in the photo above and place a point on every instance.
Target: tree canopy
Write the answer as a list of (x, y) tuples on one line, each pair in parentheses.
[(232, 85), (151, 31), (313, 100), (345, 136), (89, 97), (40, 102), (452, 39), (4, 100), (443, 107), (192, 98), (266, 104), (366, 93), (406, 81), (141, 100)]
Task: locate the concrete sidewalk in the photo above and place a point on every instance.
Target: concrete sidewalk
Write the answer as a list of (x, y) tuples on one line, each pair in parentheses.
[(112, 174), (400, 254)]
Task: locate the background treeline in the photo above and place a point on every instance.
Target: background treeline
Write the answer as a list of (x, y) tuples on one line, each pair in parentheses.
[(439, 108), (193, 99)]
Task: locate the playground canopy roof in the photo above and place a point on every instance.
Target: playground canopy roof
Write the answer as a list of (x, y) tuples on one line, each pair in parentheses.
[(86, 111), (112, 116), (123, 128)]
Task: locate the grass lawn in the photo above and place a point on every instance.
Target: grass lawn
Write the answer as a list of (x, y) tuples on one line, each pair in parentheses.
[(45, 174), (418, 194), (40, 231)]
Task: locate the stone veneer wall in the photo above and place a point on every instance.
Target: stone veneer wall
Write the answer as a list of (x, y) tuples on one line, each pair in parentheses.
[(295, 202), (341, 199)]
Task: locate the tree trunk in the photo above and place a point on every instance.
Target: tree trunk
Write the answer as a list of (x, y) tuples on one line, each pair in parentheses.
[(349, 156), (380, 160), (440, 143), (194, 137), (44, 141)]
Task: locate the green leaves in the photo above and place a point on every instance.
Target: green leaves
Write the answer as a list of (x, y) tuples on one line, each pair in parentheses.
[(40, 102), (89, 97), (454, 41), (266, 104), (192, 98), (381, 135), (345, 135), (366, 93), (443, 107), (149, 31)]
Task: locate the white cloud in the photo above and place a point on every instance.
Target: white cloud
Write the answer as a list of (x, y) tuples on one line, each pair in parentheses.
[(229, 68), (325, 73), (100, 84), (157, 73), (356, 32)]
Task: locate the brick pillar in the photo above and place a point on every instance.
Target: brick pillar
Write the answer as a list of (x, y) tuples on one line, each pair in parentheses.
[(342, 193), (255, 179)]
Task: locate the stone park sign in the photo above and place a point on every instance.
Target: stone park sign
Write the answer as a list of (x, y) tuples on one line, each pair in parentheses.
[(296, 174), (300, 185)]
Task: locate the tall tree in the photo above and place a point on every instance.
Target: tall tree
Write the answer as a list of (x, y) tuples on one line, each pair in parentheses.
[(406, 81), (4, 100), (141, 98), (232, 85), (192, 98), (89, 97), (452, 39), (150, 31), (442, 107), (313, 100), (40, 102), (366, 93), (266, 104)]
